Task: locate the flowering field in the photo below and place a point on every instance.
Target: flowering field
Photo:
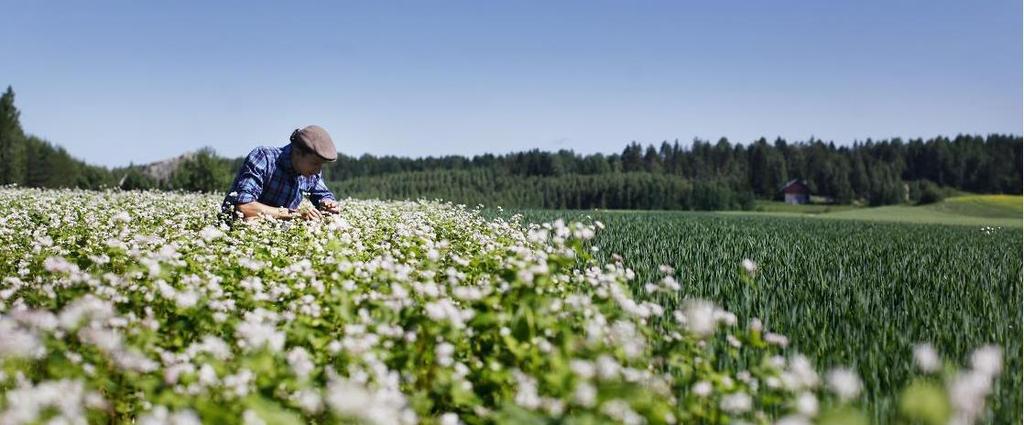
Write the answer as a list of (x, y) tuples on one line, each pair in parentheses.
[(117, 307)]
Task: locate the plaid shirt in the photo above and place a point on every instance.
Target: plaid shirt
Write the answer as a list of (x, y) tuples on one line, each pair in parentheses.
[(267, 176)]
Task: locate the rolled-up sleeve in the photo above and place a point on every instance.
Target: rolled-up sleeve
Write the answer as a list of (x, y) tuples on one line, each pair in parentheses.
[(319, 192), (249, 182)]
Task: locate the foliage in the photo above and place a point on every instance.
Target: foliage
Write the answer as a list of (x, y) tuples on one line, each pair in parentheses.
[(631, 190), (202, 172), (924, 192)]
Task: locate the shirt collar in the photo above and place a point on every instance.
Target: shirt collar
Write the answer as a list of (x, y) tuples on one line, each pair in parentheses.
[(284, 160)]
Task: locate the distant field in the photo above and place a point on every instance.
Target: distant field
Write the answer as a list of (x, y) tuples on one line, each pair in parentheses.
[(973, 210), (847, 291), (976, 210), (996, 206), (782, 207)]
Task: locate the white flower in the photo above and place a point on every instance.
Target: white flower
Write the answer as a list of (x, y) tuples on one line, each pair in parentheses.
[(18, 342), (444, 352), (926, 358), (216, 347), (347, 397), (967, 392), (793, 420), (621, 412), (802, 372), (449, 419), (736, 403), (161, 416), (210, 233), (59, 265), (987, 360), (700, 317), (207, 376), (526, 391), (607, 367), (302, 365), (844, 383), (255, 334), (238, 384), (582, 368), (749, 266), (250, 417), (807, 404), (121, 217), (26, 403), (186, 299), (308, 400), (702, 389), (776, 339), (585, 394)]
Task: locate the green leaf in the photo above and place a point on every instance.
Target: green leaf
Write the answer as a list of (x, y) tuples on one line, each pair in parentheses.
[(273, 413)]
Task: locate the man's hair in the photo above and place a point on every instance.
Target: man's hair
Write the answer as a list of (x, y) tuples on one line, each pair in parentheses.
[(302, 149)]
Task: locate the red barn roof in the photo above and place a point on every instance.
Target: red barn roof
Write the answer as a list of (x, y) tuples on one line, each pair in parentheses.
[(796, 186)]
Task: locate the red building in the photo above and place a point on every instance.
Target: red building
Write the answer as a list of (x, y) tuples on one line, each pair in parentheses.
[(796, 192)]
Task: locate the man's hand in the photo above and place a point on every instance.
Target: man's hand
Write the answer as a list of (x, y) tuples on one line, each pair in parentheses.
[(331, 206), (253, 210), (309, 214)]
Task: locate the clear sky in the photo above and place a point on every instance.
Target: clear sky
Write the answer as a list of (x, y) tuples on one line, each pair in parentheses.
[(137, 81)]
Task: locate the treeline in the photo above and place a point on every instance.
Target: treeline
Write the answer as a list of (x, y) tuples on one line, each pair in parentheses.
[(874, 172), (701, 175), (628, 190)]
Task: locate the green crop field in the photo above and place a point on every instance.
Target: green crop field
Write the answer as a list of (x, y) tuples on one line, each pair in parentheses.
[(845, 291)]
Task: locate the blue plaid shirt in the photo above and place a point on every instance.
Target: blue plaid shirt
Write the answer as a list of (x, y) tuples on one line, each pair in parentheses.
[(267, 176)]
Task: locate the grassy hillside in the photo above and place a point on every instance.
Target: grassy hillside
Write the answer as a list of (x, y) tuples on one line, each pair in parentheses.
[(970, 210), (995, 206), (975, 210)]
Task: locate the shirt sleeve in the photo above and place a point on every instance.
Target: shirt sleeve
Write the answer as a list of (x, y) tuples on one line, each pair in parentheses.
[(249, 183), (319, 192)]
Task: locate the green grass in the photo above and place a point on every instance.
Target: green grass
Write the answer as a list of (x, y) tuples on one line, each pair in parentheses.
[(847, 292), (995, 206), (782, 207), (968, 210), (973, 210)]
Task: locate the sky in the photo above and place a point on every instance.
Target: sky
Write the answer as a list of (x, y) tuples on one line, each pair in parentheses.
[(119, 82)]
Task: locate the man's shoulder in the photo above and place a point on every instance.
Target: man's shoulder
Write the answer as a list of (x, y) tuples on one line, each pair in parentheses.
[(263, 155), (265, 152)]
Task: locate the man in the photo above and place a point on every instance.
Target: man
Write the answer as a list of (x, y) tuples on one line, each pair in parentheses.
[(272, 180)]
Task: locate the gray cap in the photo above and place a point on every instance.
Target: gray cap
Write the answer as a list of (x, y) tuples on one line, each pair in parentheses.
[(316, 140)]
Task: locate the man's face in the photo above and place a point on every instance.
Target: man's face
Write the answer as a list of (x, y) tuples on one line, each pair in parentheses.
[(307, 164)]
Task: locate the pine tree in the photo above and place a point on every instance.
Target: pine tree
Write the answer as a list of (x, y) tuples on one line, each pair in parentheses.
[(12, 141)]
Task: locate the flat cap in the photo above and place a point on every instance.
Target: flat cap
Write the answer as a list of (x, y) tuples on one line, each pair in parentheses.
[(316, 140)]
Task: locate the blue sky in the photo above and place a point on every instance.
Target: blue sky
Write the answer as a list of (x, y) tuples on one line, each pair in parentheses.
[(119, 82)]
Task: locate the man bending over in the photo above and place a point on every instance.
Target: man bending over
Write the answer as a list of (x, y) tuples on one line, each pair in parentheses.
[(272, 180)]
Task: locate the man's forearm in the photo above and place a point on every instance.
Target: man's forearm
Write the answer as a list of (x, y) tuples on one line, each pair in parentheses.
[(256, 209)]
